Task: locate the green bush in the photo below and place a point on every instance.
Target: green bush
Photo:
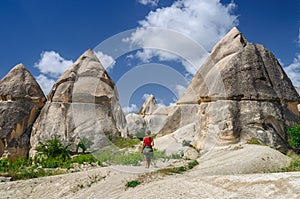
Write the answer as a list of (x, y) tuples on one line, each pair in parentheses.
[(84, 144), (294, 134), (85, 158), (192, 164), (4, 164), (132, 183), (54, 149)]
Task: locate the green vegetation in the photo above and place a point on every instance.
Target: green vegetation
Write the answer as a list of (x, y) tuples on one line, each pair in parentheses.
[(179, 169), (126, 143), (132, 183), (146, 177), (51, 154), (84, 144), (295, 163), (294, 133), (255, 141), (192, 164), (53, 149), (125, 157), (24, 169)]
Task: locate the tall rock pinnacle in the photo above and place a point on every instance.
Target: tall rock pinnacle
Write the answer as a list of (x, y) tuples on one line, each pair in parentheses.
[(244, 93), (83, 105), (21, 99)]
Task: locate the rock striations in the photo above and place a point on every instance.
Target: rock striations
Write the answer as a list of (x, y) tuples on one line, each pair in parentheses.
[(83, 106), (243, 93), (149, 106), (21, 100), (298, 90)]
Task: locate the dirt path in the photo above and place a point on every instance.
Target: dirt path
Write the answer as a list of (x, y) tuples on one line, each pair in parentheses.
[(210, 179)]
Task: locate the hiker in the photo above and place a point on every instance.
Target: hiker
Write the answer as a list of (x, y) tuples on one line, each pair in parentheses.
[(147, 149)]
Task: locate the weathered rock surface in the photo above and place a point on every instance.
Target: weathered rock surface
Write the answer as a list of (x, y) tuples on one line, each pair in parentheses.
[(149, 106), (220, 174), (298, 91), (243, 93), (163, 120), (21, 99), (135, 124), (83, 105), (177, 142)]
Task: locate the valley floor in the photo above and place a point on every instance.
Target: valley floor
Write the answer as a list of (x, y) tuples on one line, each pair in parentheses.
[(220, 174)]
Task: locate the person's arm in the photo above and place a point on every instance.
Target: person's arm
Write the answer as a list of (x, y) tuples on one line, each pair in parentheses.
[(143, 146), (152, 142)]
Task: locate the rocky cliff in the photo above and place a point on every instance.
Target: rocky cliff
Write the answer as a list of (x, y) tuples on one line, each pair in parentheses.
[(83, 106), (298, 90), (243, 93), (21, 100)]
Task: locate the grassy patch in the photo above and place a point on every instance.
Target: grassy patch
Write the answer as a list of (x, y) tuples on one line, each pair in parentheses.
[(295, 163), (51, 155), (179, 169), (124, 157), (126, 143), (294, 137), (83, 158), (256, 141), (148, 177), (132, 183)]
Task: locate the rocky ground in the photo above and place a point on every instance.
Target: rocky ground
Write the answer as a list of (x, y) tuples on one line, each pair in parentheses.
[(222, 173)]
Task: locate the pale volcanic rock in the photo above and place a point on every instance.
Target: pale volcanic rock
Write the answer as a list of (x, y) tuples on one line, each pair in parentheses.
[(243, 93), (149, 106), (83, 105), (21, 99)]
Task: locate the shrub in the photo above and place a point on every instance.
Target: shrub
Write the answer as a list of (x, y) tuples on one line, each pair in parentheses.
[(54, 149), (132, 183), (192, 164), (88, 158), (84, 144), (295, 163), (294, 133), (52, 154)]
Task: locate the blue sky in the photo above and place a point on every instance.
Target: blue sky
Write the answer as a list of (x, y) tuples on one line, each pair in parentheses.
[(47, 36)]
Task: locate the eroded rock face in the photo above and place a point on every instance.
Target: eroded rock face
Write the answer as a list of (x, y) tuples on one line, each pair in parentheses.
[(149, 106), (83, 105), (135, 124), (243, 93), (298, 91), (21, 100)]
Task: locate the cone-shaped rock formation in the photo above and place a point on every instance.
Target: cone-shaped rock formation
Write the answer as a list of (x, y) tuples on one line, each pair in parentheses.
[(21, 99), (83, 106), (243, 93)]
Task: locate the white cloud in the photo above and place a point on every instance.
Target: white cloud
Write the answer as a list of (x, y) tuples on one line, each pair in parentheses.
[(130, 109), (149, 2), (204, 22), (52, 64), (45, 83), (293, 71), (179, 90), (107, 61)]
